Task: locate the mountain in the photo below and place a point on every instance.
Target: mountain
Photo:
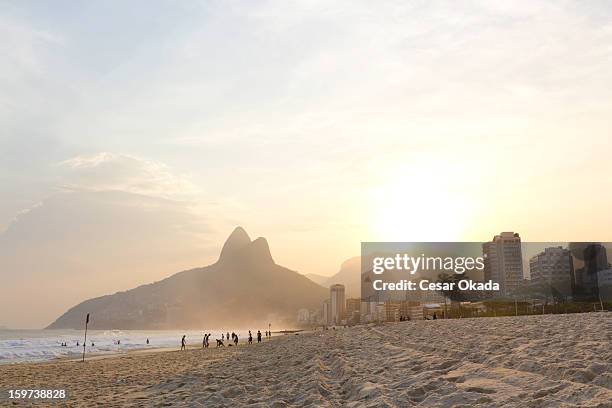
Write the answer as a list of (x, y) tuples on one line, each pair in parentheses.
[(244, 287), (348, 275), (318, 279)]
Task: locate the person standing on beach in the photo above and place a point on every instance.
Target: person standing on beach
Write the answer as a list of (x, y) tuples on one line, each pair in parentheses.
[(250, 338), (258, 336), (183, 343), (236, 340)]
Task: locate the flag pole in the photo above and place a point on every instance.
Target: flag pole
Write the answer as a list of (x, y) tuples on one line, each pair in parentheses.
[(85, 341)]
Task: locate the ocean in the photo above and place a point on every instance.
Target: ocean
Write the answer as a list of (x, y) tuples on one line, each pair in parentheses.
[(18, 346)]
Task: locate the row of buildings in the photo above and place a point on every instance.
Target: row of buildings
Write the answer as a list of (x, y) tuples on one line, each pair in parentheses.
[(578, 272), (339, 310)]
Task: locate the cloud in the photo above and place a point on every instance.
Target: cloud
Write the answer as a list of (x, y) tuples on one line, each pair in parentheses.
[(121, 172)]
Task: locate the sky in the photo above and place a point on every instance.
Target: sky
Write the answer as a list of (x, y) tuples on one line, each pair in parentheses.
[(135, 136)]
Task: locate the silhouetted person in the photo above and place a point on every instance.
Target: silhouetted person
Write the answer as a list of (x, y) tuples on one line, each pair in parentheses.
[(147, 341), (228, 337), (250, 338), (258, 336), (77, 344), (92, 344), (434, 316), (183, 343)]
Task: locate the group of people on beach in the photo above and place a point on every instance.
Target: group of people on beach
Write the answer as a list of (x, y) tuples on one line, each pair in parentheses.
[(225, 337), (65, 344)]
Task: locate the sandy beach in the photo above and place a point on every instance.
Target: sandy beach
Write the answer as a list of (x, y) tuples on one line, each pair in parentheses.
[(526, 361)]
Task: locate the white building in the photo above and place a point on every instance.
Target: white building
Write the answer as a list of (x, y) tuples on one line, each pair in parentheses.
[(503, 261), (337, 304), (326, 312)]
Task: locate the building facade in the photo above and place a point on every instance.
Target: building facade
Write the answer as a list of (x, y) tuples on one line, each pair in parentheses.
[(353, 310), (553, 268), (325, 319), (337, 304), (503, 261)]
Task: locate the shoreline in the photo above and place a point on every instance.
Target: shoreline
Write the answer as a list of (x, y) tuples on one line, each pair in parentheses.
[(38, 346), (134, 351)]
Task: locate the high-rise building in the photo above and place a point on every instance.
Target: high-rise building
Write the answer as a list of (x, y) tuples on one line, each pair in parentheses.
[(336, 303), (553, 268), (503, 261), (326, 312)]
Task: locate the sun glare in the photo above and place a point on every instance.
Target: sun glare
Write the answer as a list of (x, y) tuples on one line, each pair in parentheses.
[(419, 206)]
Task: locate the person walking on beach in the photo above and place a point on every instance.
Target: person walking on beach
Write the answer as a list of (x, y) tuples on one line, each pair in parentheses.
[(250, 338), (183, 343), (147, 341), (236, 340), (258, 336)]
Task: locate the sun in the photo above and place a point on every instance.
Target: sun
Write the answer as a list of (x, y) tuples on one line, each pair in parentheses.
[(419, 207)]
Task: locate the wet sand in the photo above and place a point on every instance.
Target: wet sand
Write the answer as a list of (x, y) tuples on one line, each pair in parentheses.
[(525, 361)]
